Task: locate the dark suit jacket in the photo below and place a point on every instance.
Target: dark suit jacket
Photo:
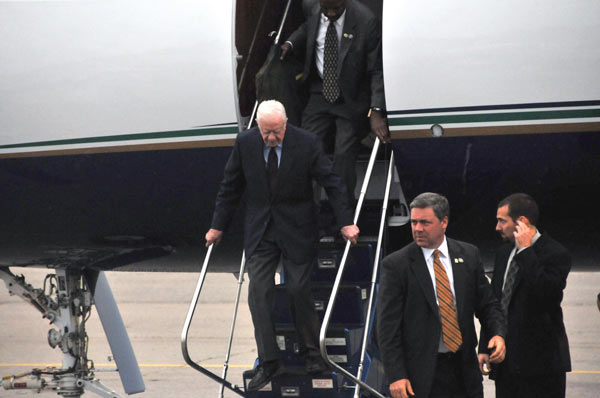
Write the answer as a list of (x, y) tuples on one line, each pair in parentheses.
[(536, 340), (291, 207), (408, 321), (360, 71)]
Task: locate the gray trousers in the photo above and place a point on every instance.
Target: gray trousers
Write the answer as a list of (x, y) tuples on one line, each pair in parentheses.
[(262, 266), (337, 127)]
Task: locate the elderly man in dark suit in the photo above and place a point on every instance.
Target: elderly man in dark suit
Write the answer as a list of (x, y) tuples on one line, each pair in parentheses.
[(274, 164), (530, 275), (429, 292), (343, 72)]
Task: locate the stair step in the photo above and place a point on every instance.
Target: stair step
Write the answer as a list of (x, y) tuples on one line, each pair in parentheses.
[(297, 384), (349, 309)]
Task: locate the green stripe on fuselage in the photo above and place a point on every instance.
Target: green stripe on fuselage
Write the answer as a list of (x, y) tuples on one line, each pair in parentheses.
[(493, 117), (209, 131)]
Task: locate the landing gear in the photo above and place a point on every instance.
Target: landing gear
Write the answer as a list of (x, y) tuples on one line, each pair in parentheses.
[(66, 301)]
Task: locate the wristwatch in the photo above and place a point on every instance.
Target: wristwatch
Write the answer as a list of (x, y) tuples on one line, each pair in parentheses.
[(376, 110)]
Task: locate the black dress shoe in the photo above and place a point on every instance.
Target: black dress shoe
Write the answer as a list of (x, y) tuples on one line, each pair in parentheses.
[(316, 365), (264, 374), (252, 372)]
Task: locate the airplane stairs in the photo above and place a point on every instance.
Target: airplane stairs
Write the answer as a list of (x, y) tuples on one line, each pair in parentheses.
[(344, 289), (344, 336)]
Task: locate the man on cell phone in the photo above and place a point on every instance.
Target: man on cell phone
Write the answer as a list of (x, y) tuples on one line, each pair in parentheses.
[(529, 277)]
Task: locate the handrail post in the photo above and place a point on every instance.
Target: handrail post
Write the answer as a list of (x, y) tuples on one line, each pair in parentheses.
[(232, 329), (186, 327), (374, 276), (184, 334), (285, 13), (275, 42), (338, 278), (366, 180)]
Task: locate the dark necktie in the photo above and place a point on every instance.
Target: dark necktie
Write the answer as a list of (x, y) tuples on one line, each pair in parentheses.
[(272, 168), (509, 285), (450, 329), (331, 89)]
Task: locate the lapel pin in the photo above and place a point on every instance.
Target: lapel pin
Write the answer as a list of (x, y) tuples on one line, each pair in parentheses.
[(348, 35), (459, 260)]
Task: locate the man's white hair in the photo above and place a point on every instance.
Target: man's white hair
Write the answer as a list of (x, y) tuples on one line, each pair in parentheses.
[(270, 107)]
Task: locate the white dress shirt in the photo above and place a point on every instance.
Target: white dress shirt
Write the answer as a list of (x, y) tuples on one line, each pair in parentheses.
[(320, 43)]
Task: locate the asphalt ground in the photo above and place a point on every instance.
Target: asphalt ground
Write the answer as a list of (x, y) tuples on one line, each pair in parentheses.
[(154, 306)]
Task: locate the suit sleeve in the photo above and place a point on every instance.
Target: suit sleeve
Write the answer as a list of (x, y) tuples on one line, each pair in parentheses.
[(544, 275), (322, 172), (298, 39), (488, 309), (375, 64), (230, 191), (390, 310)]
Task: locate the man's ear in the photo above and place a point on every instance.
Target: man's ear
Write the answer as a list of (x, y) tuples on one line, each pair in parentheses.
[(445, 222), (524, 220)]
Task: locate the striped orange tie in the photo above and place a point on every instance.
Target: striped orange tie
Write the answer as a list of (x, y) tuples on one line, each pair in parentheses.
[(450, 328)]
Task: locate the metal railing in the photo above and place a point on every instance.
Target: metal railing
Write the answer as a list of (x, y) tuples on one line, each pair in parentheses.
[(375, 274), (184, 334), (277, 35), (328, 312), (188, 320)]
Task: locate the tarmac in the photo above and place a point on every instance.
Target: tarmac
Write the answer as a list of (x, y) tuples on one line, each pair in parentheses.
[(154, 306)]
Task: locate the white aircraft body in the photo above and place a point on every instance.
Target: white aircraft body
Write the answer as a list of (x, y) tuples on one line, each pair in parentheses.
[(117, 118)]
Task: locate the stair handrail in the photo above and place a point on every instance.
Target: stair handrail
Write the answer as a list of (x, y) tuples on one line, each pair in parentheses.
[(188, 320), (338, 279), (251, 48), (275, 42), (374, 276), (184, 334), (283, 19), (233, 320)]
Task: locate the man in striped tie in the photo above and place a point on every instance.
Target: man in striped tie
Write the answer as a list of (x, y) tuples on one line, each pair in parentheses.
[(430, 291)]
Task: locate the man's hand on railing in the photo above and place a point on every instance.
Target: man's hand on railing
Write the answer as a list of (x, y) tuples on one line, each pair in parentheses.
[(213, 236), (350, 232), (379, 126), (285, 47)]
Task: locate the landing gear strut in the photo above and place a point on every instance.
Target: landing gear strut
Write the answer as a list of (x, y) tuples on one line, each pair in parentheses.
[(66, 301)]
